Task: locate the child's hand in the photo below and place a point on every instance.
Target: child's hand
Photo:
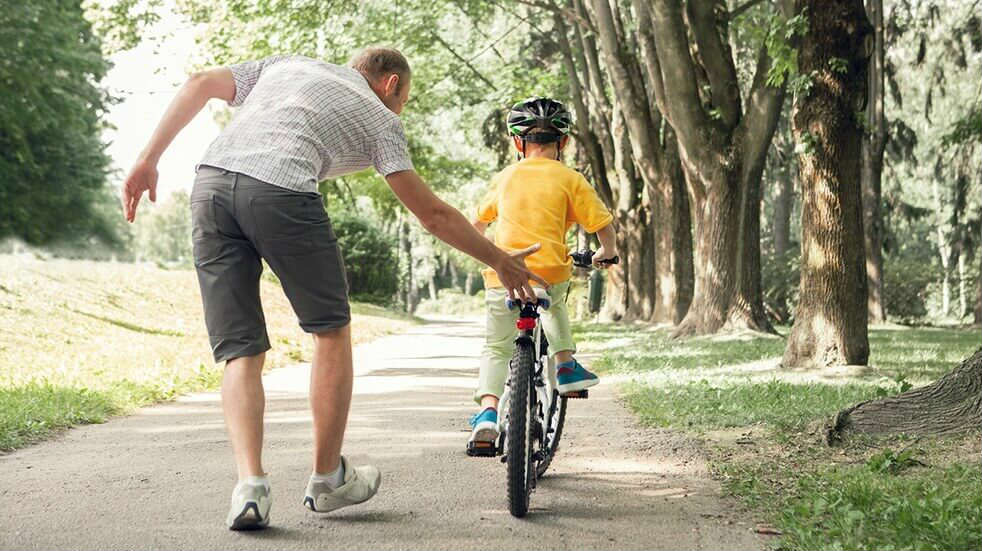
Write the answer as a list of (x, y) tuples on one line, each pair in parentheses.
[(600, 256)]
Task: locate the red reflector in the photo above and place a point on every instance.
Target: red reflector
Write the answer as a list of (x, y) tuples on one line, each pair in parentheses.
[(524, 324)]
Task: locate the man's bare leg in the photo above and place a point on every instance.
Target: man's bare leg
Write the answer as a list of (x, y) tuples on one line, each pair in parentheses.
[(331, 378), (244, 402)]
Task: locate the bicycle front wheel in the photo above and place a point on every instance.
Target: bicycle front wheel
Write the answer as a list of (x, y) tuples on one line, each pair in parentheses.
[(520, 436)]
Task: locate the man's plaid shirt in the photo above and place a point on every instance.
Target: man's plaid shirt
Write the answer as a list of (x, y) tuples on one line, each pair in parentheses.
[(302, 121)]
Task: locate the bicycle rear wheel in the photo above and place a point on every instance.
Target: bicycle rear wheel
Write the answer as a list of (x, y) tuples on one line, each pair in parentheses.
[(554, 431), (520, 436)]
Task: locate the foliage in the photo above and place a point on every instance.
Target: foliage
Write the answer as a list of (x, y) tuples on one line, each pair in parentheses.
[(51, 110), (369, 259), (163, 233), (780, 276), (120, 23), (905, 288)]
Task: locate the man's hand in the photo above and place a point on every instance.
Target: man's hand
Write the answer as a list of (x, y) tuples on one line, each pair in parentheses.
[(143, 177), (515, 276)]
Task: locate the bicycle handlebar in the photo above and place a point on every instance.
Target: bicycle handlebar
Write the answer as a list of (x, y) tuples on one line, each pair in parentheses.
[(584, 259)]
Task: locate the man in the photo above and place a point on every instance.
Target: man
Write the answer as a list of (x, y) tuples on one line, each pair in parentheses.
[(255, 198)]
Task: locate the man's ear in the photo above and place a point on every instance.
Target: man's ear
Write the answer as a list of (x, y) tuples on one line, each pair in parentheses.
[(517, 142), (562, 142), (391, 84)]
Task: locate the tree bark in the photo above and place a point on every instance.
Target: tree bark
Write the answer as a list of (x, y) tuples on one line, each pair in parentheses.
[(950, 405), (978, 298), (874, 143), (783, 204), (831, 317)]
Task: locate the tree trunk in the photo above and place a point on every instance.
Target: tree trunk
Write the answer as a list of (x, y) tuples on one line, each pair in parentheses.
[(950, 405), (434, 293), (783, 204), (672, 227), (831, 317), (978, 298), (469, 284), (723, 145), (962, 288), (873, 145)]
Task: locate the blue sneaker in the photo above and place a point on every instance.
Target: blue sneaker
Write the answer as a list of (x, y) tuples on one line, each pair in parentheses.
[(572, 377), (485, 426)]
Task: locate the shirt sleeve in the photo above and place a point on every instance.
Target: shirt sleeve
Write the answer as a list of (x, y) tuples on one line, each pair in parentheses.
[(487, 209), (246, 75), (587, 208), (392, 150)]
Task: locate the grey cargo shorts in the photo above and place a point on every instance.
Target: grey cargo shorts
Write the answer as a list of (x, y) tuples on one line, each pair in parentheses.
[(237, 222)]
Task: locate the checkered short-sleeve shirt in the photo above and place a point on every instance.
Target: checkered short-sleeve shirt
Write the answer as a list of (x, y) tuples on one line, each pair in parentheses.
[(300, 121)]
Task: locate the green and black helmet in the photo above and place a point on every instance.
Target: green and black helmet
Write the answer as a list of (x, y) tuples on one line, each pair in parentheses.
[(544, 113)]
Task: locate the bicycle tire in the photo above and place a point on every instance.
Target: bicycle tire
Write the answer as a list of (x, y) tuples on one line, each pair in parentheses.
[(543, 465), (519, 434)]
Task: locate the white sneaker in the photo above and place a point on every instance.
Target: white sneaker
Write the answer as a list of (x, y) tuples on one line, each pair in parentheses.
[(250, 506), (360, 484)]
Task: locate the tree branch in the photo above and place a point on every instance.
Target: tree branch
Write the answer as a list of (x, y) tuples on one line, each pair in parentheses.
[(683, 106), (738, 11), (464, 61), (707, 26)]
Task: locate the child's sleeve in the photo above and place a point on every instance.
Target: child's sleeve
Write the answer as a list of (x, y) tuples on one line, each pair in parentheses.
[(587, 208), (487, 209)]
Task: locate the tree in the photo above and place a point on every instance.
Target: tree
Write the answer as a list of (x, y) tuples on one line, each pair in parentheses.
[(831, 317), (874, 144), (634, 159), (723, 142), (51, 115), (950, 405)]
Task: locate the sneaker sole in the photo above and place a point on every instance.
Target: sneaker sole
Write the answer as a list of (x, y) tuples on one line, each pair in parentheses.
[(485, 432), (579, 385), (310, 503), (250, 519)]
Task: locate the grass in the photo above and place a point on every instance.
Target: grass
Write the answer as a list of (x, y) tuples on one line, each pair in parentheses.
[(864, 495), (776, 404), (81, 341)]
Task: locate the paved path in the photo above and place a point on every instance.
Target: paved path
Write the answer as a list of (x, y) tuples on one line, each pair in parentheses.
[(161, 478)]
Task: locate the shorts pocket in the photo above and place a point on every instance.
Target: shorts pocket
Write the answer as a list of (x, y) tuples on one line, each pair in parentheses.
[(294, 223), (205, 239)]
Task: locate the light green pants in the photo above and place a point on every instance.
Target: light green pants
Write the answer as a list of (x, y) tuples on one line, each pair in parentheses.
[(500, 335)]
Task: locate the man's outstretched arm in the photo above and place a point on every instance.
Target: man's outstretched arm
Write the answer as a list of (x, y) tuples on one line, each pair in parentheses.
[(191, 98), (448, 224)]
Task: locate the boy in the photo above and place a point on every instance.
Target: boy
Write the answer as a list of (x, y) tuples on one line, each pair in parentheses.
[(536, 201)]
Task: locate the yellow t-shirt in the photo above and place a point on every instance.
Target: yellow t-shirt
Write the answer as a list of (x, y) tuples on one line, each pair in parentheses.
[(536, 201)]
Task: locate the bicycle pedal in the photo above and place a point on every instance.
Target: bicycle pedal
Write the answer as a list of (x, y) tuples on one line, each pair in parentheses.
[(480, 448), (577, 394)]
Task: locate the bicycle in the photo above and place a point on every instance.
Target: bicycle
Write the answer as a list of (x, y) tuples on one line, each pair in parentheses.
[(530, 431)]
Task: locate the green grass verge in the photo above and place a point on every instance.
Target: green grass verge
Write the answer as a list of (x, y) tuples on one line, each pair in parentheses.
[(80, 341), (864, 506), (776, 404), (818, 497)]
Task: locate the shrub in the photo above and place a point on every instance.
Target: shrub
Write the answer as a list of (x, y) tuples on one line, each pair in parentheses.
[(905, 288), (369, 259)]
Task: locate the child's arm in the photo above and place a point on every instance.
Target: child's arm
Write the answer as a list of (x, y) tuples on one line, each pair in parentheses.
[(608, 245), (480, 226)]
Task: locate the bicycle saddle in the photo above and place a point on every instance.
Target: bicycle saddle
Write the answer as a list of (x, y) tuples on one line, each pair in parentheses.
[(541, 294)]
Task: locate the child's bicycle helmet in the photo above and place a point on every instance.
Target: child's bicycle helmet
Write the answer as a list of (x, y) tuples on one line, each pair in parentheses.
[(544, 113)]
